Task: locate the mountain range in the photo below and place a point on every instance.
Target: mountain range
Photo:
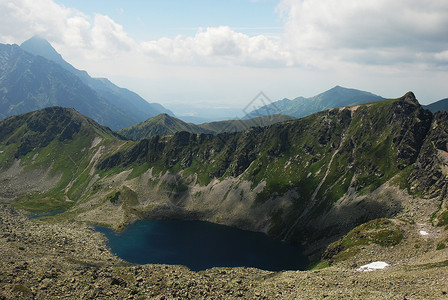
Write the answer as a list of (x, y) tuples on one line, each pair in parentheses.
[(165, 124), (301, 107), (34, 76), (354, 185), (309, 179), (441, 105)]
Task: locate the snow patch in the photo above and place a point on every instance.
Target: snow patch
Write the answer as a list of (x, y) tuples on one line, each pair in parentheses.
[(376, 265), (422, 232)]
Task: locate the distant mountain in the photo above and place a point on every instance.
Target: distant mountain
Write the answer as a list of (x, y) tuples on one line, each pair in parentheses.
[(29, 82), (164, 124), (194, 119), (441, 105), (239, 125), (132, 105), (301, 107)]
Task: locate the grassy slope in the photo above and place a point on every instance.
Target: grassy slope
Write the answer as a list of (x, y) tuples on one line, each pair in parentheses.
[(57, 139)]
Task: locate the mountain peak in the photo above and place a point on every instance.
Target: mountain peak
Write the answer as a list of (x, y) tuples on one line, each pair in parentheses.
[(40, 46), (409, 97)]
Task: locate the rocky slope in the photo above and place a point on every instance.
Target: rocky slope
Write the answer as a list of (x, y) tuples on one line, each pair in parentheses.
[(45, 155)]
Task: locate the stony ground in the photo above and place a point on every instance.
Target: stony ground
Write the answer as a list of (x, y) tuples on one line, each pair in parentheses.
[(71, 261)]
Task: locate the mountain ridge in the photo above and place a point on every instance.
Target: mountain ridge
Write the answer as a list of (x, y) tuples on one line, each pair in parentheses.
[(261, 165), (162, 124), (165, 124), (33, 81), (29, 82), (301, 107), (120, 97), (438, 105)]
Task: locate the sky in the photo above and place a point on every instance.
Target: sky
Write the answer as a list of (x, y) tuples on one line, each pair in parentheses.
[(212, 57)]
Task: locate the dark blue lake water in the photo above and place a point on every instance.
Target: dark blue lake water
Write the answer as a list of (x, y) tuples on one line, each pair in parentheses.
[(202, 245)]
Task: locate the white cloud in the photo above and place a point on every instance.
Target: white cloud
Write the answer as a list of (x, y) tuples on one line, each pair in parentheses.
[(109, 37), (73, 31), (66, 27), (317, 33), (217, 46), (365, 32), (21, 18)]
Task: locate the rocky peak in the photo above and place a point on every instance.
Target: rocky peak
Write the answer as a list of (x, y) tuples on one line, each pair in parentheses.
[(409, 97)]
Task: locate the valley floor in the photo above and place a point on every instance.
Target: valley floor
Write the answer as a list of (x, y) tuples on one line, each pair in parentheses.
[(41, 260)]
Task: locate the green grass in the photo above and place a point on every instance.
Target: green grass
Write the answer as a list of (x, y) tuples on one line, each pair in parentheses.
[(23, 289), (68, 160), (319, 266), (441, 246), (37, 203), (442, 219), (138, 171), (441, 264), (381, 231)]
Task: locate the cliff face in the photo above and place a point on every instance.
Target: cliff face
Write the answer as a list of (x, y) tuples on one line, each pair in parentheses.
[(429, 176), (302, 180)]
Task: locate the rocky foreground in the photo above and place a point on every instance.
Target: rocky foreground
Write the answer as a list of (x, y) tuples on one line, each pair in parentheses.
[(67, 261)]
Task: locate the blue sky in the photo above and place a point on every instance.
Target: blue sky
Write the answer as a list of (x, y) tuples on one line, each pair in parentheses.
[(156, 19), (212, 57)]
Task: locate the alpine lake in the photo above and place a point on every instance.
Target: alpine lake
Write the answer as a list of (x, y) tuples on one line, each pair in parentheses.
[(201, 245)]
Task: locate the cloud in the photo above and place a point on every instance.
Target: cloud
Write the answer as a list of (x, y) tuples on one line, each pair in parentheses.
[(109, 37), (218, 45), (69, 28), (366, 32), (98, 36), (317, 34), (20, 18)]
